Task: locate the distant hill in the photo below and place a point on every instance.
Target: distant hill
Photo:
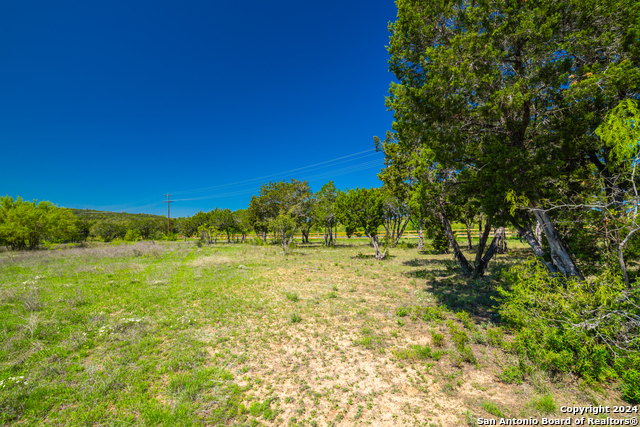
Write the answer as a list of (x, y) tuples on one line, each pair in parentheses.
[(100, 215)]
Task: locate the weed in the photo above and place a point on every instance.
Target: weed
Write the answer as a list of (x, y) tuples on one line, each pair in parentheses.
[(437, 339), (401, 311), (492, 408), (470, 419), (478, 337), (292, 296), (370, 340), (512, 375), (422, 351), (295, 318), (495, 336), (465, 318), (32, 300), (544, 404)]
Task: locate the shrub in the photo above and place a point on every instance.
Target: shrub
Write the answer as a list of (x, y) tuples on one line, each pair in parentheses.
[(422, 351), (132, 235), (495, 336), (440, 242), (589, 328), (465, 318), (402, 311), (433, 313), (511, 375), (437, 339)]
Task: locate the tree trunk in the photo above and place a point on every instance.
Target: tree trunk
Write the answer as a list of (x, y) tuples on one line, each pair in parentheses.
[(264, 237), (559, 253), (228, 237), (457, 253), (468, 224), (420, 236), (538, 232), (401, 232), (493, 249), (483, 241), (293, 233), (527, 233), (376, 246)]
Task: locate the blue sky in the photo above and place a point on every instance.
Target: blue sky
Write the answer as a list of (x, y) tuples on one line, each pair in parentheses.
[(111, 104)]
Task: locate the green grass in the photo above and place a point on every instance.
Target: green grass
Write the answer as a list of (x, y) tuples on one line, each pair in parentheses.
[(175, 334), (492, 408), (544, 404)]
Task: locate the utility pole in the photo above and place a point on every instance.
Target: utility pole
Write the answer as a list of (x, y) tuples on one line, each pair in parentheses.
[(168, 212)]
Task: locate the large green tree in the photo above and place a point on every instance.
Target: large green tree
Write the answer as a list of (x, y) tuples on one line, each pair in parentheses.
[(280, 207), (362, 208), (508, 95), (24, 225)]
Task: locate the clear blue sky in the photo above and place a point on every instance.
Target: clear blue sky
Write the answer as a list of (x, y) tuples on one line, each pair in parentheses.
[(111, 104)]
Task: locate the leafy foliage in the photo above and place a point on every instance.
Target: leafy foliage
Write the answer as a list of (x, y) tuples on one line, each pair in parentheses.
[(24, 225), (591, 328)]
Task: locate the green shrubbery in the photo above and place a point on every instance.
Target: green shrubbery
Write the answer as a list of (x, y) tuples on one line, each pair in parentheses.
[(589, 328), (440, 242), (132, 236)]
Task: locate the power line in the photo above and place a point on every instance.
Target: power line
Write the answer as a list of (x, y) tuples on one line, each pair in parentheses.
[(342, 171), (233, 184), (338, 172)]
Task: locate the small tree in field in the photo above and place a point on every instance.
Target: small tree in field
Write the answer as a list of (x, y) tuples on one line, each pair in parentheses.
[(362, 208)]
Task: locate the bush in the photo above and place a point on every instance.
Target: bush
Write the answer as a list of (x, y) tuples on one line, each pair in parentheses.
[(440, 242), (401, 311), (589, 328), (132, 236), (437, 339)]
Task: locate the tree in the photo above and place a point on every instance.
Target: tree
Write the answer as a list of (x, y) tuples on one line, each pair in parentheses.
[(362, 208), (109, 229), (276, 200), (187, 227), (23, 224), (325, 211), (242, 224), (508, 94)]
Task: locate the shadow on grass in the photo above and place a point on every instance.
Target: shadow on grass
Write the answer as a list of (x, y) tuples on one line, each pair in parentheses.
[(478, 297), (372, 256)]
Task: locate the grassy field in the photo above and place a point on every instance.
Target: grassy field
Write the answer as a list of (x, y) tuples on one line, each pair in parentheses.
[(173, 334)]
